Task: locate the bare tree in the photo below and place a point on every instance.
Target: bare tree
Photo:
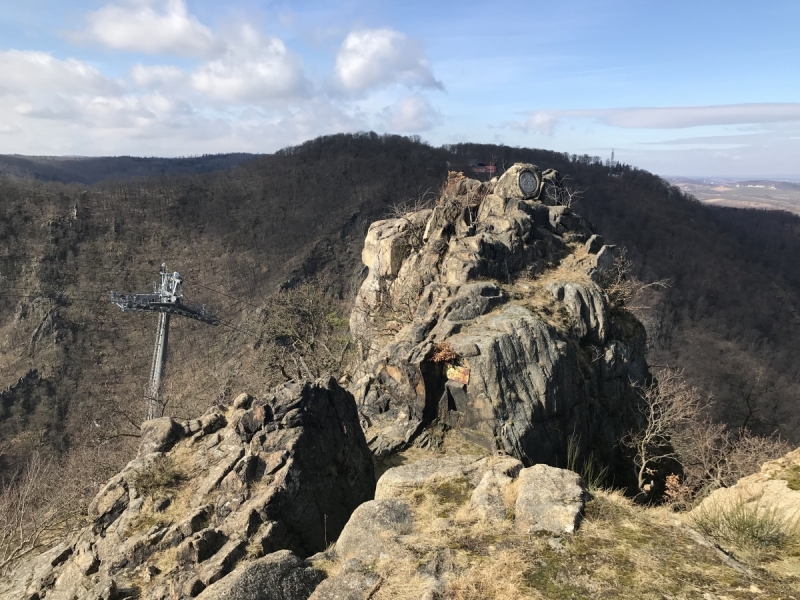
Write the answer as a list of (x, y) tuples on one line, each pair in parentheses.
[(34, 509), (623, 288), (305, 332), (675, 427), (666, 407), (563, 194)]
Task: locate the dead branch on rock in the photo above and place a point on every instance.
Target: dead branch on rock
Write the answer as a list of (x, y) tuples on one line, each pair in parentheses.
[(563, 194), (622, 287)]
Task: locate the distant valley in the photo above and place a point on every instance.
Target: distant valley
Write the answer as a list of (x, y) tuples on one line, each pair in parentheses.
[(754, 193)]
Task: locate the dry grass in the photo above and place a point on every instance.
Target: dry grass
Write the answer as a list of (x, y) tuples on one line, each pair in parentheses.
[(620, 551), (499, 576), (755, 528), (532, 292), (166, 478), (157, 477), (792, 476)]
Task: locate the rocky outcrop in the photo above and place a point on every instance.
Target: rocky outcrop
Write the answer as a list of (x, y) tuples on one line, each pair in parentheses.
[(276, 477), (484, 314), (393, 528)]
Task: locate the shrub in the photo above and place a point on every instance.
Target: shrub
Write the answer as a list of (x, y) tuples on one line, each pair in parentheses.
[(156, 477), (747, 525), (443, 352)]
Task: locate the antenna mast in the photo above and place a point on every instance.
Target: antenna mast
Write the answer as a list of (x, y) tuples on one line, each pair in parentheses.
[(166, 299)]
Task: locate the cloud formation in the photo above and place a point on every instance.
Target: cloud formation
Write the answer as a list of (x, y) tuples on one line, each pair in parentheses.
[(139, 26), (412, 114), (669, 117), (254, 70), (241, 89), (54, 106), (373, 57), (33, 73)]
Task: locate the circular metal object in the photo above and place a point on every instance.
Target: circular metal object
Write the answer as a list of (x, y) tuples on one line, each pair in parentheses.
[(528, 182)]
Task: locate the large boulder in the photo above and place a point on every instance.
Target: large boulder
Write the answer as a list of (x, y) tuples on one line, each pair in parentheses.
[(276, 477), (550, 500), (159, 435)]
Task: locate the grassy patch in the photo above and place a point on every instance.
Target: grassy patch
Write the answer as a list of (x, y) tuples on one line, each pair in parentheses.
[(750, 526), (157, 477), (792, 476), (159, 480), (621, 550)]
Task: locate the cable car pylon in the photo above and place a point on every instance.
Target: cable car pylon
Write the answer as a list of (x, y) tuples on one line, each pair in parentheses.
[(166, 299)]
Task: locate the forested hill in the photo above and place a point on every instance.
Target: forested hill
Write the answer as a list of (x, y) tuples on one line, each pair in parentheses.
[(90, 170), (74, 366)]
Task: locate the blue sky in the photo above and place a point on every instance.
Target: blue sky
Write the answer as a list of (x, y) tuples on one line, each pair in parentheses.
[(679, 88)]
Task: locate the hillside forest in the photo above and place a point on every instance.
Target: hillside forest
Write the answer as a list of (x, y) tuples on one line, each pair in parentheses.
[(273, 244)]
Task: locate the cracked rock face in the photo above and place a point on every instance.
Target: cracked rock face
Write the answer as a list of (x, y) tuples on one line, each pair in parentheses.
[(275, 477), (484, 314)]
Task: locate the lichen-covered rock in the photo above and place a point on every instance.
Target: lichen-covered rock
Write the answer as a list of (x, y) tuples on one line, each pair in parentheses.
[(398, 482), (352, 582), (488, 500), (549, 499), (278, 576), (281, 473), (159, 435), (469, 494), (372, 530), (455, 323)]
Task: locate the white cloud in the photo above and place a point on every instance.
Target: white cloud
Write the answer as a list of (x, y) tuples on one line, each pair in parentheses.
[(670, 117), (412, 114), (540, 122), (254, 70), (374, 57), (156, 76), (37, 72), (153, 27), (52, 106)]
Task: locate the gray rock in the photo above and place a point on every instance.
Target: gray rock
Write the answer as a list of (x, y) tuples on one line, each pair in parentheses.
[(550, 500), (488, 500), (588, 307), (159, 435), (292, 484), (605, 259), (507, 185), (594, 244), (398, 482), (373, 529), (352, 582), (199, 547), (243, 400), (110, 501), (278, 576)]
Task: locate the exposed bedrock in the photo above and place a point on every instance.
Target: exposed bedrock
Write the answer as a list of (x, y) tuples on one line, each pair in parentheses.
[(275, 477), (485, 314)]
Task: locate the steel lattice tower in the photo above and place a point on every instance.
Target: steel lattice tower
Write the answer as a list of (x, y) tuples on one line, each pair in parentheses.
[(166, 299)]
